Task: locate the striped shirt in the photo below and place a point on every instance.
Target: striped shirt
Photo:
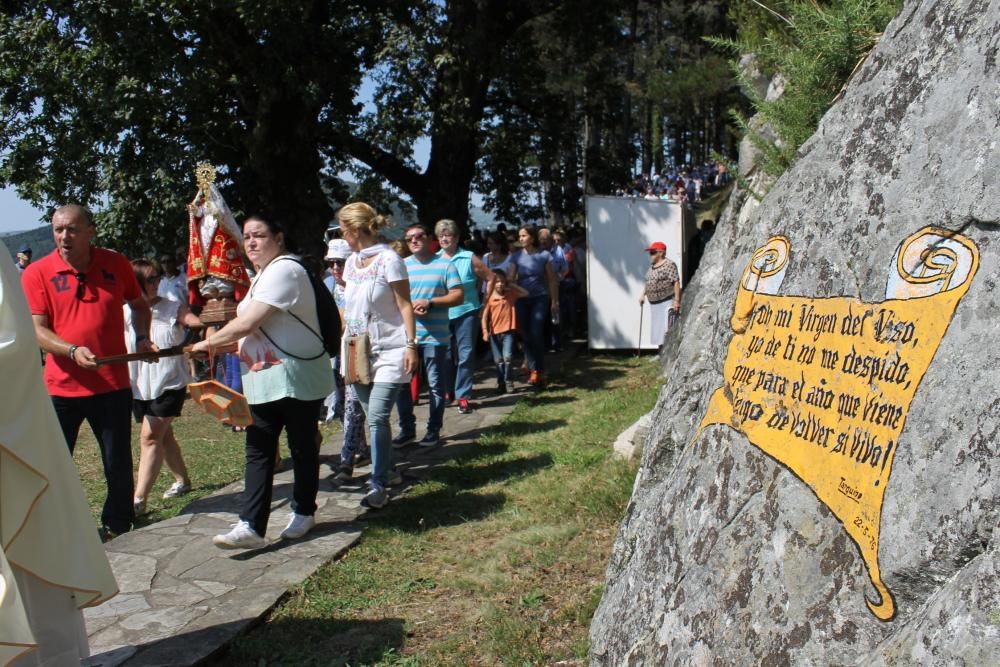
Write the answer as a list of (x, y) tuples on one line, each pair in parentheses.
[(435, 277)]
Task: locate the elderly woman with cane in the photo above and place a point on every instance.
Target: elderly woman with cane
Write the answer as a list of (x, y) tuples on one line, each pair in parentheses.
[(662, 283)]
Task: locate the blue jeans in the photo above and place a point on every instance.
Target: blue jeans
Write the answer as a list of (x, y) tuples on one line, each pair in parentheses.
[(502, 346), (437, 364), (532, 314), (464, 329), (376, 400)]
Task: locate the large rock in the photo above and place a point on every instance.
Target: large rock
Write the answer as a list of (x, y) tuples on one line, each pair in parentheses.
[(728, 555)]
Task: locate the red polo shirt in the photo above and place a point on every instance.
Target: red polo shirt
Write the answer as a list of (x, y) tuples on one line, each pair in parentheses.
[(96, 320)]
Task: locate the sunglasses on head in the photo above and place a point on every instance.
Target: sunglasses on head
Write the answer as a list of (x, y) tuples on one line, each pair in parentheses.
[(415, 237)]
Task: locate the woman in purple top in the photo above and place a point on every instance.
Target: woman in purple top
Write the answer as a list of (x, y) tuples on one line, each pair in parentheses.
[(531, 269)]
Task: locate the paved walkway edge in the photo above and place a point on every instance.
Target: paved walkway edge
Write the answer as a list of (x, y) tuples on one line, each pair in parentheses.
[(182, 600)]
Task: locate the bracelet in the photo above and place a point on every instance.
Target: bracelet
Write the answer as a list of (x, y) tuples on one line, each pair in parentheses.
[(140, 337), (72, 351), (430, 303), (411, 346)]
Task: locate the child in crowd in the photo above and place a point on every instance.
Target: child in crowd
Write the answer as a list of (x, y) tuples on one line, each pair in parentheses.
[(499, 323)]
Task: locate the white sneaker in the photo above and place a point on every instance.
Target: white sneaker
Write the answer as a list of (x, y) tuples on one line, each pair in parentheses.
[(177, 489), (298, 525), (395, 479), (376, 498), (242, 536)]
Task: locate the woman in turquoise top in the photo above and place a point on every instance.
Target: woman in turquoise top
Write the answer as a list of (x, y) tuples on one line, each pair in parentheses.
[(286, 376), (464, 318)]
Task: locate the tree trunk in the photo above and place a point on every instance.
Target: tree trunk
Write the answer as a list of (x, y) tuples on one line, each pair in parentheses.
[(656, 141), (646, 143), (446, 184), (280, 180), (626, 138)]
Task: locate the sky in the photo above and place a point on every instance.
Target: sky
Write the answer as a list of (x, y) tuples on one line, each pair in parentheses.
[(16, 215)]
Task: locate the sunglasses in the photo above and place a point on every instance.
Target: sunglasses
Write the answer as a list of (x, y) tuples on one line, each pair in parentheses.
[(81, 285), (337, 262), (152, 280), (415, 237)]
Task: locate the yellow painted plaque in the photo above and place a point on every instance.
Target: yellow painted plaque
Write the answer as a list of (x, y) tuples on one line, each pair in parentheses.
[(823, 385)]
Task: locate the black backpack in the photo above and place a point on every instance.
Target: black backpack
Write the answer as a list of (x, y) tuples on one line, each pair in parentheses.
[(327, 313)]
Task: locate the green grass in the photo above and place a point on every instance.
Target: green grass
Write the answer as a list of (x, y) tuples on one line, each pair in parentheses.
[(499, 559)]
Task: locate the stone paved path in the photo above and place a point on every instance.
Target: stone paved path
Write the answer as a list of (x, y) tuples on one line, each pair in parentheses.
[(182, 600)]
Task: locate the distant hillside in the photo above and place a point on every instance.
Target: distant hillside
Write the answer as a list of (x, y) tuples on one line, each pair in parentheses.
[(478, 218), (39, 239)]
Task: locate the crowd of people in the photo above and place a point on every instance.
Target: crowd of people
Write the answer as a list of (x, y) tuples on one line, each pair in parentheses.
[(681, 184), (417, 314)]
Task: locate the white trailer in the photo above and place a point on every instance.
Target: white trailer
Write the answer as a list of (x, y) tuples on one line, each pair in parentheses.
[(619, 229)]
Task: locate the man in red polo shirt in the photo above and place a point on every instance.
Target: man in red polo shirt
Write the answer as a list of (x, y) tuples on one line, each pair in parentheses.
[(76, 295)]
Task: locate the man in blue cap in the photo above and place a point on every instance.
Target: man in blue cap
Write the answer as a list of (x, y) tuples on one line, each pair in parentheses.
[(23, 257)]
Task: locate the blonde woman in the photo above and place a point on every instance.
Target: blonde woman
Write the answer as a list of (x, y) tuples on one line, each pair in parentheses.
[(377, 302)]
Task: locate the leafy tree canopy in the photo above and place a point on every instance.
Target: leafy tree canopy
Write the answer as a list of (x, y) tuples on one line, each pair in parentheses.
[(112, 103)]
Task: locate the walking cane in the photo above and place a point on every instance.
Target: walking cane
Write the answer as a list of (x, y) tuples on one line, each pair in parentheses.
[(638, 342)]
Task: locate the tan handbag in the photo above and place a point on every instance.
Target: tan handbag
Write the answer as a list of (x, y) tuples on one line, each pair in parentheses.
[(357, 359)]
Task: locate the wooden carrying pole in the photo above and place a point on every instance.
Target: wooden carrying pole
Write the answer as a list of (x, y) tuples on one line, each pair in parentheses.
[(159, 354)]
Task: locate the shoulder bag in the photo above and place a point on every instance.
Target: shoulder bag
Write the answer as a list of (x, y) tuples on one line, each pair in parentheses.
[(358, 349)]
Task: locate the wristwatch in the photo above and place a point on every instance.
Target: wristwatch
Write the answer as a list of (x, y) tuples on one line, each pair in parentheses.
[(72, 351)]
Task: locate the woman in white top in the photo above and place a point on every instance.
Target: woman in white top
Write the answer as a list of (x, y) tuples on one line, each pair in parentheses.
[(498, 256), (377, 302), (286, 376), (158, 389)]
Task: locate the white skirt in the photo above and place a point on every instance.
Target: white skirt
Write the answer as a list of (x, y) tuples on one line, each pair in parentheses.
[(658, 314)]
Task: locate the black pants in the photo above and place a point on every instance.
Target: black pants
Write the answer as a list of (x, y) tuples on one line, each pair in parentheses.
[(110, 418), (300, 419)]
